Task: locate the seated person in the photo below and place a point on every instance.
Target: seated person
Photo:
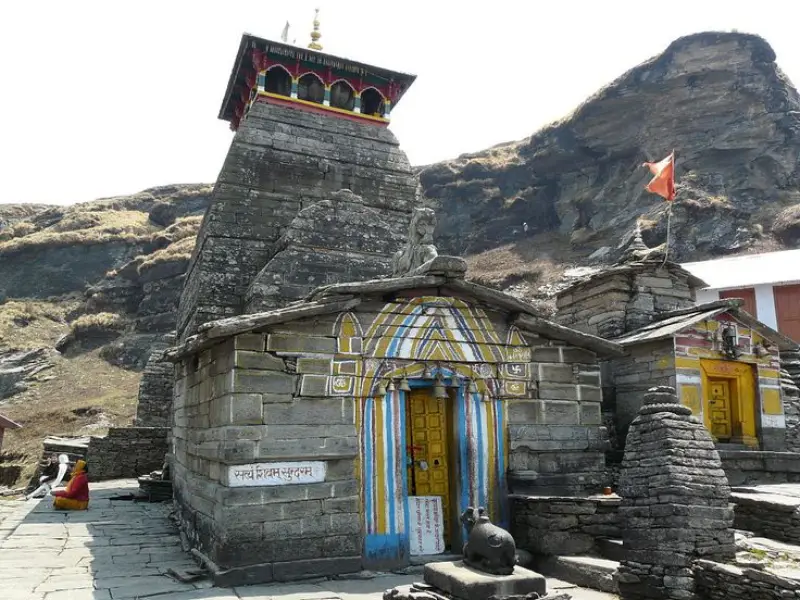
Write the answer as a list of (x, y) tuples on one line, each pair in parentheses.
[(76, 495), (53, 472)]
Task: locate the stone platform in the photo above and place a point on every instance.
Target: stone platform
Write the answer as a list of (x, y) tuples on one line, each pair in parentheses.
[(122, 550), (459, 580)]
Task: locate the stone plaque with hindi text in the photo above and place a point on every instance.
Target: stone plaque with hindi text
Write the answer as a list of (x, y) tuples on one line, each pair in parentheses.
[(276, 473)]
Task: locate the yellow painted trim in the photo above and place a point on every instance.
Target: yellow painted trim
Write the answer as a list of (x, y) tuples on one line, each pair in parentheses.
[(771, 401), (684, 362), (323, 107), (690, 397), (771, 373)]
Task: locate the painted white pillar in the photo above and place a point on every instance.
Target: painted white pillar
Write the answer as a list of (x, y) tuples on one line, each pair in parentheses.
[(765, 305)]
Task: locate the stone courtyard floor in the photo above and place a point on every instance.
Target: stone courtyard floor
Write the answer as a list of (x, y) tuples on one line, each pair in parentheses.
[(122, 549)]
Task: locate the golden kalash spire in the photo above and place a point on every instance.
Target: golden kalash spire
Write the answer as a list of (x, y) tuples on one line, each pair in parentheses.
[(315, 35)]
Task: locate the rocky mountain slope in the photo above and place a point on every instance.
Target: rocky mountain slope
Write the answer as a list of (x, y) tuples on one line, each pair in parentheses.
[(718, 99), (86, 291)]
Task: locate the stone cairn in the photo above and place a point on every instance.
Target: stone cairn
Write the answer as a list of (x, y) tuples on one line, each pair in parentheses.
[(675, 501)]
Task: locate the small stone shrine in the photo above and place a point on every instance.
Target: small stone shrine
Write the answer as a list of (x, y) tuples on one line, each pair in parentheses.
[(675, 501)]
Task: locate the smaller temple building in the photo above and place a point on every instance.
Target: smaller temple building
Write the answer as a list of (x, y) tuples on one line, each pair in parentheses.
[(724, 363), (351, 429)]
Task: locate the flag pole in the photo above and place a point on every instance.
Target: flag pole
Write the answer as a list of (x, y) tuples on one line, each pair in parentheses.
[(669, 211), (666, 247)]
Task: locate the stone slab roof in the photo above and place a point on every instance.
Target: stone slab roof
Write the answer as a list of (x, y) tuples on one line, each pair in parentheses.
[(633, 267), (346, 296), (6, 423), (672, 323)]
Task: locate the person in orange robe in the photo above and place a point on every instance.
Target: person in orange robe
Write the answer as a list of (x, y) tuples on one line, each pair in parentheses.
[(76, 494)]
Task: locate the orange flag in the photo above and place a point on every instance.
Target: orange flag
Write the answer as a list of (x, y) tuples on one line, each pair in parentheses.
[(663, 182)]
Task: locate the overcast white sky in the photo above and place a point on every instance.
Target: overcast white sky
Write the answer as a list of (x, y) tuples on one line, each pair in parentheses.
[(101, 98)]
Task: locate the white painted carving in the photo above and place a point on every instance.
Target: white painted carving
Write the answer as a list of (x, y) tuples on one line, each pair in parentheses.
[(276, 473)]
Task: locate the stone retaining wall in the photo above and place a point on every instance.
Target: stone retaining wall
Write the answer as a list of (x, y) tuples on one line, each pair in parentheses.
[(154, 408), (127, 452), (717, 581), (562, 525), (745, 467), (768, 515)]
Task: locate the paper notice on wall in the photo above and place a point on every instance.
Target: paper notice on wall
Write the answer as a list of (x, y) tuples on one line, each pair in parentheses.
[(426, 527)]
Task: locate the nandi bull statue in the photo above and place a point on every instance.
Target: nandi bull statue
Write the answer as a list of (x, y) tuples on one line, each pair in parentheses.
[(489, 548)]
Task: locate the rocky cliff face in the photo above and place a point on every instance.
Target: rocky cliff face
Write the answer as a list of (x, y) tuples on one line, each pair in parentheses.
[(123, 258), (718, 99)]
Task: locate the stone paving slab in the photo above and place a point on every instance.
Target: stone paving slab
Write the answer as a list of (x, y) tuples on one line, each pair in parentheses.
[(119, 550)]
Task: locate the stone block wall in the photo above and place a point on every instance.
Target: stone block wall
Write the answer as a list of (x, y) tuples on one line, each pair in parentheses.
[(283, 160), (553, 525), (239, 404), (337, 239), (767, 515), (127, 452), (557, 439), (645, 366), (790, 384), (720, 581), (750, 468), (623, 298), (154, 406)]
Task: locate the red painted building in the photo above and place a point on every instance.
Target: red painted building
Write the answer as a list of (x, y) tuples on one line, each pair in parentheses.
[(768, 283)]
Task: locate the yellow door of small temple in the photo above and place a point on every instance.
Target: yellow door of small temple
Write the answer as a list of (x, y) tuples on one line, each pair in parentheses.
[(720, 407), (428, 469)]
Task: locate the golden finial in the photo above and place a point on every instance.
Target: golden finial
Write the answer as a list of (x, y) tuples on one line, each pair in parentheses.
[(315, 35)]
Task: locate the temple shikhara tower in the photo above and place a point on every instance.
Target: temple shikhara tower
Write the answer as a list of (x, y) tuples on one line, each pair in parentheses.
[(308, 126)]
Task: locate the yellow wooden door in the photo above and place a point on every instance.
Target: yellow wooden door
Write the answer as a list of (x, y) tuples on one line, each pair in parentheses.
[(720, 407), (428, 473)]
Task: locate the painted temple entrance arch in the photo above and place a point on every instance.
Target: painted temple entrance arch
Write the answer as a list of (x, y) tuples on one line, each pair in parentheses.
[(729, 401), (418, 340)]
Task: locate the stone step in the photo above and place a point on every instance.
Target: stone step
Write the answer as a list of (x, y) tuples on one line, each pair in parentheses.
[(583, 571), (610, 548), (735, 447)]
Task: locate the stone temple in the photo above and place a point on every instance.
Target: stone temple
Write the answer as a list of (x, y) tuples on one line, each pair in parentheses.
[(335, 378)]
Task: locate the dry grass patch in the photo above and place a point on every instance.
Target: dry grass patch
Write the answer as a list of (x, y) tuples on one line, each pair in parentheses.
[(180, 250), (503, 267), (184, 228), (84, 228), (97, 323), (28, 324), (525, 261)]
